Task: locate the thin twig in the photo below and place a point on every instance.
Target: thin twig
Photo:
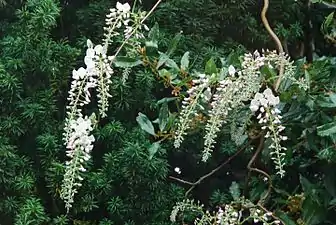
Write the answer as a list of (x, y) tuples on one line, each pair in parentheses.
[(194, 184), (277, 41), (251, 168), (181, 181)]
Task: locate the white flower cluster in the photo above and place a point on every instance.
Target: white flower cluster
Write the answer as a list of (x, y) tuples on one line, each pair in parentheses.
[(220, 107), (79, 146), (269, 116), (190, 105), (236, 213), (252, 61), (122, 18), (117, 17), (227, 216), (273, 59), (231, 94), (265, 99), (186, 204), (97, 76), (259, 216), (98, 64)]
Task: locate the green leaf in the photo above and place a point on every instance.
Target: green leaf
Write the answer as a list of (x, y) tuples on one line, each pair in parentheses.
[(234, 191), (163, 116), (285, 218), (210, 67), (166, 100), (327, 22), (164, 73), (154, 33), (151, 48), (185, 61), (172, 64), (327, 102), (332, 202), (162, 60), (153, 149), (171, 121), (269, 72), (145, 123), (173, 44), (126, 62), (313, 213), (330, 182), (327, 129), (306, 185)]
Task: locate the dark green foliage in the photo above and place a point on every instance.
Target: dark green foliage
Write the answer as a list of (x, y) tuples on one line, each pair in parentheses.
[(34, 72), (127, 182)]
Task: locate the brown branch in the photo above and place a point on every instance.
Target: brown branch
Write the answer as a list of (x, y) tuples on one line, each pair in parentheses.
[(251, 168), (194, 184), (277, 41), (181, 181)]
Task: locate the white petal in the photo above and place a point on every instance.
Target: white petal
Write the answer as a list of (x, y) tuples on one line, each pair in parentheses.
[(258, 96), (263, 102), (126, 8), (276, 100), (119, 6), (75, 75), (90, 52), (268, 93), (89, 62), (254, 108), (89, 43), (255, 102), (81, 72), (232, 70), (99, 49), (177, 170)]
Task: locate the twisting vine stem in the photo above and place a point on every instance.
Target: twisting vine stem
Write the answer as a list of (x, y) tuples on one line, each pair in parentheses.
[(251, 168), (276, 39), (276, 86)]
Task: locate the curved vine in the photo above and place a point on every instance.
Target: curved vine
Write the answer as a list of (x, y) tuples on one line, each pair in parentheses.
[(276, 40)]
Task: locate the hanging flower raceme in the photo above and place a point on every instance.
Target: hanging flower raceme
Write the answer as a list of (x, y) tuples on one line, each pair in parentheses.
[(269, 117), (79, 146), (190, 106), (94, 78), (231, 94), (220, 107)]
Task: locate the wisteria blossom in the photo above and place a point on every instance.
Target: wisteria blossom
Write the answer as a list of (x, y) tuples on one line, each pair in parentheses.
[(95, 77), (79, 147), (269, 117), (190, 107)]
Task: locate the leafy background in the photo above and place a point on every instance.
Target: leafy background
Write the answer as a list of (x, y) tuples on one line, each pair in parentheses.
[(41, 41)]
